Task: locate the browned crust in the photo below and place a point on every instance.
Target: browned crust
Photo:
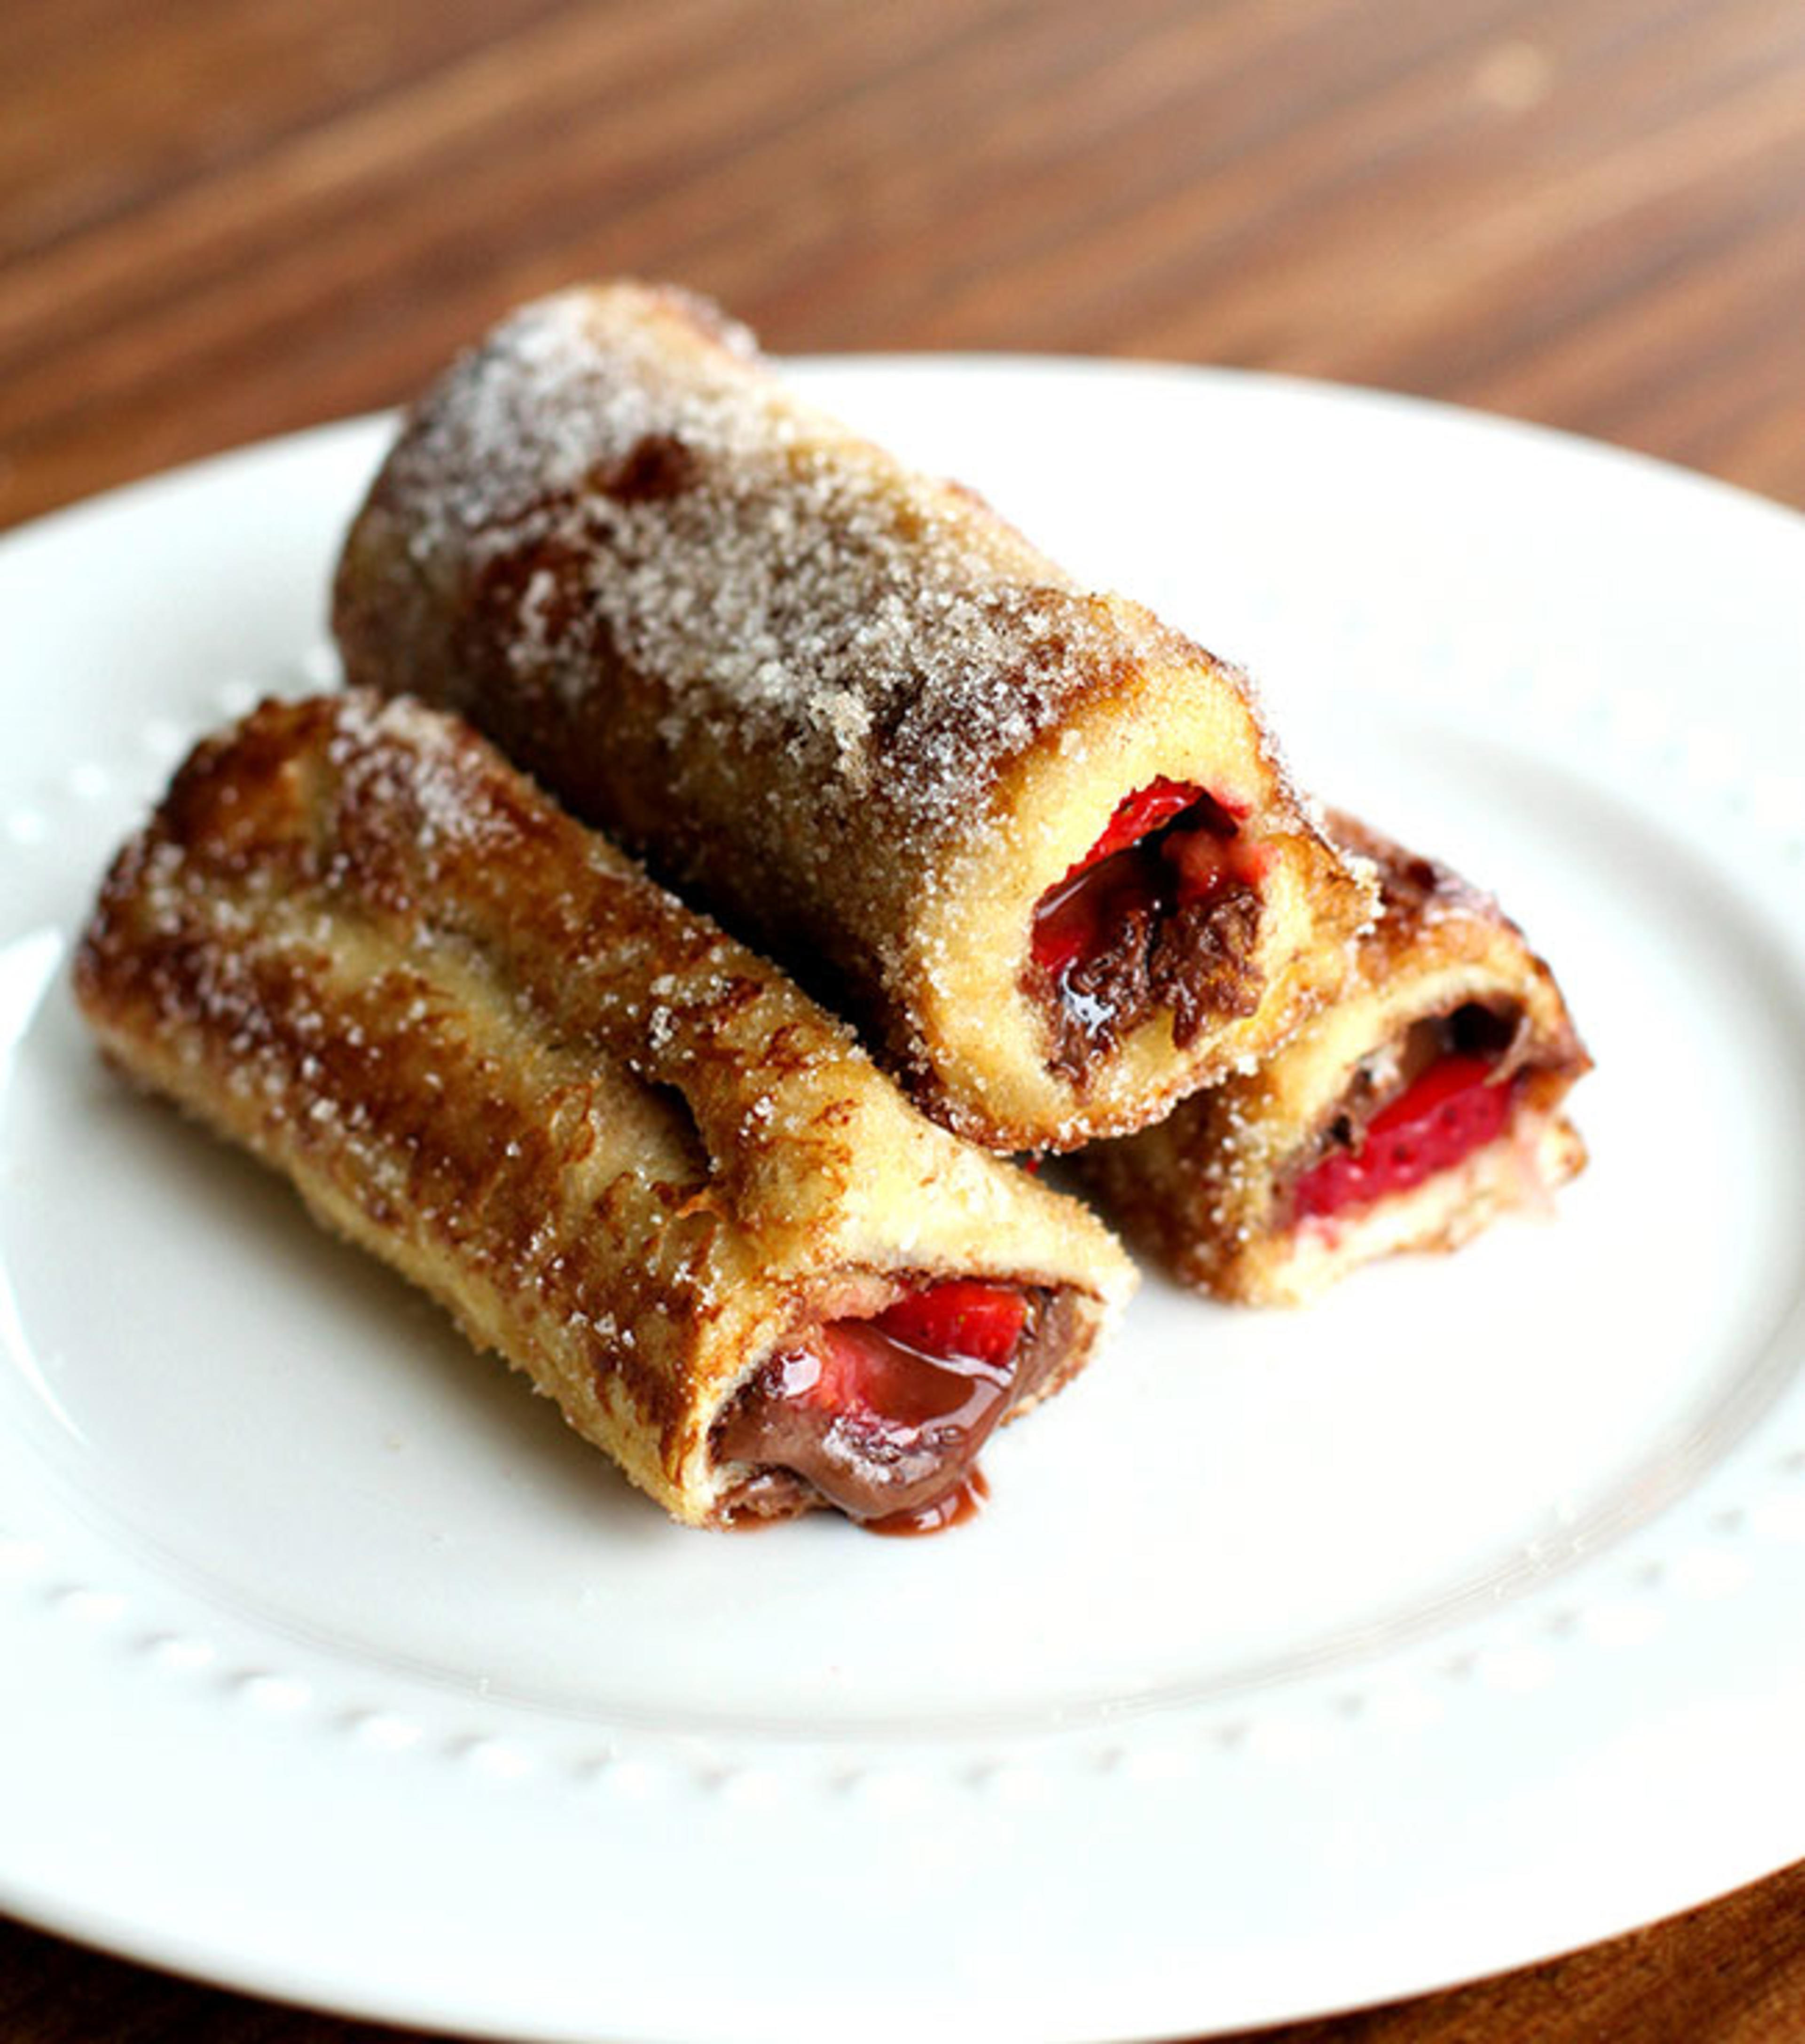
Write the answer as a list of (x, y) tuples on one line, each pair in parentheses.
[(625, 1151), (1204, 1193), (805, 683)]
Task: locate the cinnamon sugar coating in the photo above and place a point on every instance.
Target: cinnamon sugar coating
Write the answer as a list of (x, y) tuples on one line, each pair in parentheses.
[(625, 1152), (1206, 1193), (843, 706)]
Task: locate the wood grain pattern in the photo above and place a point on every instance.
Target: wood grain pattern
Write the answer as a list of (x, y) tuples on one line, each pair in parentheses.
[(222, 219), (219, 220)]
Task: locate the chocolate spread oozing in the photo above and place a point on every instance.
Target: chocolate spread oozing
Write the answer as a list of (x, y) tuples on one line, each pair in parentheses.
[(875, 1468), (1131, 932), (1197, 960)]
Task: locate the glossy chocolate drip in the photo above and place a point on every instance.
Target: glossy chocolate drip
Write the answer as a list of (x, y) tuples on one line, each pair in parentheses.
[(910, 1467), (965, 1501)]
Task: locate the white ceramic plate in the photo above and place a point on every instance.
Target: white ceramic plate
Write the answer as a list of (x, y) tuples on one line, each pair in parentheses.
[(1299, 1661)]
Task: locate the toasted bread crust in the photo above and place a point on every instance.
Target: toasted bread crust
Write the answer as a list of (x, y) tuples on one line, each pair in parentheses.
[(625, 1152), (844, 706)]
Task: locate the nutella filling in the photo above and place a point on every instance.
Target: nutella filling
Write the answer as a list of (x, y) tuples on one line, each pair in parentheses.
[(1162, 913), (1418, 1105), (883, 1417)]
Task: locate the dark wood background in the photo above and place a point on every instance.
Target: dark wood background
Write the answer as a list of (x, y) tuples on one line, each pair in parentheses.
[(220, 220)]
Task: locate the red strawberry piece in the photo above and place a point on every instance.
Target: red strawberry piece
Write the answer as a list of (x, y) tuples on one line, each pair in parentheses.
[(929, 1358), (959, 1318), (1145, 810), (1447, 1114), (868, 1378)]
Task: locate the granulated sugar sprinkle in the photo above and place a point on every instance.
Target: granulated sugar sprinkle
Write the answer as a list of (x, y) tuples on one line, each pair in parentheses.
[(880, 631)]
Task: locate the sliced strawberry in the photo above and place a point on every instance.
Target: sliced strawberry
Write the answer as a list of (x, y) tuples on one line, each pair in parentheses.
[(1444, 1116), (927, 1358), (1145, 810), (869, 1377), (959, 1318)]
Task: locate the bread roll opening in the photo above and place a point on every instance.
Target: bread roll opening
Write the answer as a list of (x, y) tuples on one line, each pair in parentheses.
[(883, 1416), (1162, 915)]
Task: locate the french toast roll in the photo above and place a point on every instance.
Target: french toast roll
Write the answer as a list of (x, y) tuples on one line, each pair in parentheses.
[(1421, 1104), (627, 1154), (1040, 848)]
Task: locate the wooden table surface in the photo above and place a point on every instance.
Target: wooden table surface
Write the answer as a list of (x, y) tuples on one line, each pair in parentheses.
[(220, 219)]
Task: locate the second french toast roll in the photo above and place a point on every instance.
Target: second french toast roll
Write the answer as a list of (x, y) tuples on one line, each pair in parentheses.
[(1421, 1104), (626, 1153), (1040, 846)]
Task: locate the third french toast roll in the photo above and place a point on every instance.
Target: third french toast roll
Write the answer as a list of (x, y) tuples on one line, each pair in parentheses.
[(1422, 1103), (1040, 846), (625, 1152)]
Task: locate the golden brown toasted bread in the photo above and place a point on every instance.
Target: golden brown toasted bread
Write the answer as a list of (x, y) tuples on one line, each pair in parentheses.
[(625, 1152)]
